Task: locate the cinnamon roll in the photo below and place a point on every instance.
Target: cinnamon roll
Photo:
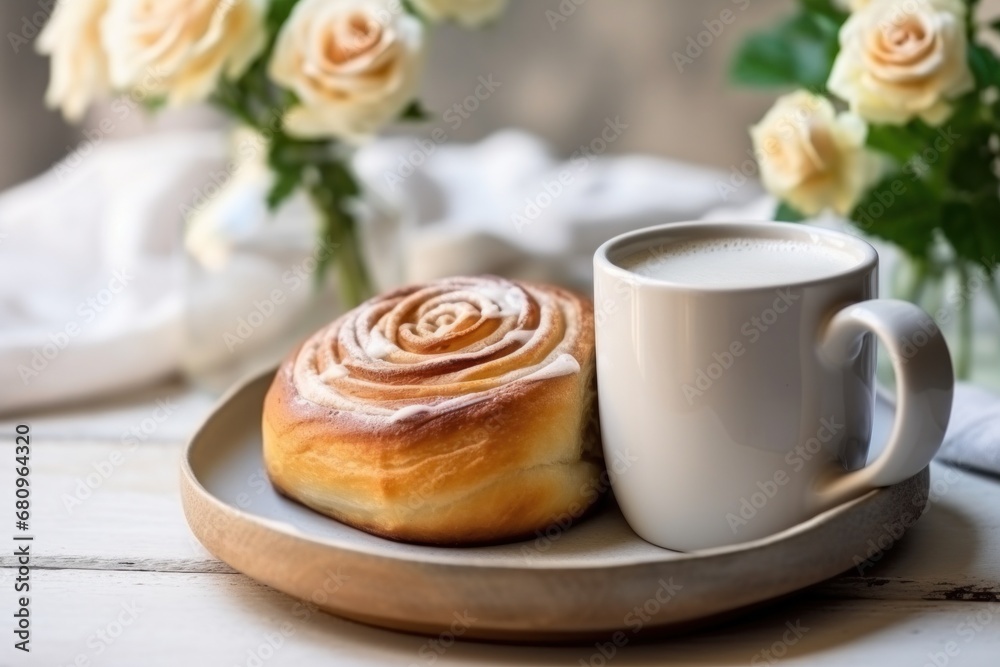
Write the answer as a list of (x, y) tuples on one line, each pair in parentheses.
[(457, 412)]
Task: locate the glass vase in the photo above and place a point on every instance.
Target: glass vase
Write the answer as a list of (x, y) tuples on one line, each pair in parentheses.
[(964, 300), (254, 288)]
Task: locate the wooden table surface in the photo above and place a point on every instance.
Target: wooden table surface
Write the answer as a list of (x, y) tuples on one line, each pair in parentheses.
[(118, 579)]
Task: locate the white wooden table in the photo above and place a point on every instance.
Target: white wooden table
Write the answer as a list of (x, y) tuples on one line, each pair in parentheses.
[(119, 580)]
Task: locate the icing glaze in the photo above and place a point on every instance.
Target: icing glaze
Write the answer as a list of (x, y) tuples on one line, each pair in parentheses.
[(410, 411), (564, 364), (520, 335), (334, 372), (509, 299), (378, 347), (385, 376)]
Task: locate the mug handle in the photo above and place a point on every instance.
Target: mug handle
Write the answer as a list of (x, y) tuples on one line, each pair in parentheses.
[(925, 383)]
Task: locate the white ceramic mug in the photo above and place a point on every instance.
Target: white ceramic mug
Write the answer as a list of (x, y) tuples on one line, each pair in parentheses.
[(724, 432)]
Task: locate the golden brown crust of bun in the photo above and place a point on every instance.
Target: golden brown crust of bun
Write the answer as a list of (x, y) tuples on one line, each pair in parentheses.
[(458, 412)]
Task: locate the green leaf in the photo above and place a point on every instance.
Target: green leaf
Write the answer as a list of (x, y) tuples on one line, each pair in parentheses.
[(971, 227), (984, 65), (340, 177), (156, 103), (826, 8), (339, 241), (899, 142), (286, 152), (901, 209), (414, 112), (286, 181), (970, 168), (958, 222), (278, 12), (798, 52), (786, 213), (288, 159), (409, 8)]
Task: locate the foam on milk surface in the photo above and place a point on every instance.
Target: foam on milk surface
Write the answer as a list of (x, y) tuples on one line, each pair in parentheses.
[(738, 262)]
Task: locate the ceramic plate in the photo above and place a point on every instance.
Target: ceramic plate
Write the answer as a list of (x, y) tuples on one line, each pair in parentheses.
[(579, 584)]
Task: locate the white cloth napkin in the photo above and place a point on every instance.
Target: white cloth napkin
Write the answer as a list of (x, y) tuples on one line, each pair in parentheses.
[(97, 293), (973, 439), (91, 291), (507, 205)]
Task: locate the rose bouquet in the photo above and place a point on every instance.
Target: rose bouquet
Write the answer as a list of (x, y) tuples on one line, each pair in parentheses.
[(313, 78), (895, 127)]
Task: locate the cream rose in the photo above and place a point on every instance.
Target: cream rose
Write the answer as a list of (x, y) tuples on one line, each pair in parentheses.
[(180, 48), (470, 13), (813, 158), (900, 59), (354, 65), (72, 39)]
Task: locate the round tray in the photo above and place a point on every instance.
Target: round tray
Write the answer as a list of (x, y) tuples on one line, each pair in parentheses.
[(581, 584)]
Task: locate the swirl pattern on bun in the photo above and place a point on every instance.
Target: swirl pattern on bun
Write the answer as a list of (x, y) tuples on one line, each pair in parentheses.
[(461, 411)]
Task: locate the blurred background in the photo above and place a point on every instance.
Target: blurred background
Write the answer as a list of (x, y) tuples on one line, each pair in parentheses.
[(564, 70), (561, 79)]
